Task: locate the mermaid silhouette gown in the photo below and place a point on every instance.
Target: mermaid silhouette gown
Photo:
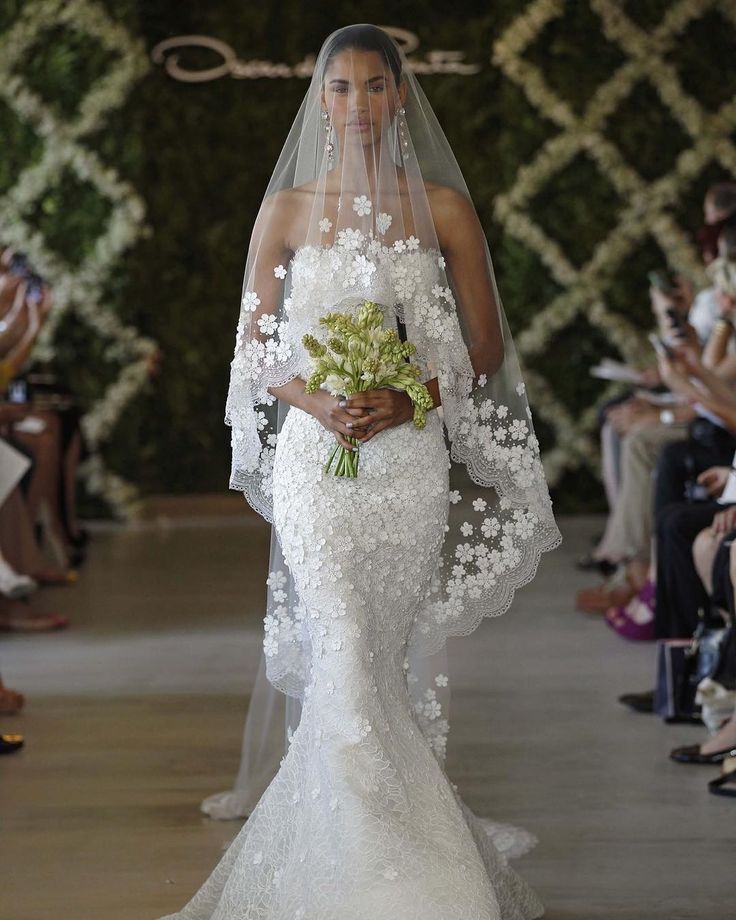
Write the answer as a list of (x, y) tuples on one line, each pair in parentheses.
[(361, 822)]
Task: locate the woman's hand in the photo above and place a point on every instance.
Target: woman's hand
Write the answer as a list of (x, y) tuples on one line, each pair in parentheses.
[(632, 414), (726, 305), (714, 479), (724, 521), (334, 416), (677, 370), (377, 410)]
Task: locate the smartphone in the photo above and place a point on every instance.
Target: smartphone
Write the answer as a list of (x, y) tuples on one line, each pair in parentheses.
[(17, 391)]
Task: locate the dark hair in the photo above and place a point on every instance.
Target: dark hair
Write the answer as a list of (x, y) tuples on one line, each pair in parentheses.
[(366, 38)]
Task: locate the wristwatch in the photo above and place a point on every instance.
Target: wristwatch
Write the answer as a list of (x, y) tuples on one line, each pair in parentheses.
[(667, 417)]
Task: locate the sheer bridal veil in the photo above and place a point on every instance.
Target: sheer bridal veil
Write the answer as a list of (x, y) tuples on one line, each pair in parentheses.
[(367, 174)]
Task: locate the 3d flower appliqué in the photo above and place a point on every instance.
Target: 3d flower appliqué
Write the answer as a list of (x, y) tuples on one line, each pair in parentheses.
[(383, 222), (250, 301), (362, 205)]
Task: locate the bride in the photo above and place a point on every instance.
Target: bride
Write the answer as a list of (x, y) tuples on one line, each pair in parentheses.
[(370, 575)]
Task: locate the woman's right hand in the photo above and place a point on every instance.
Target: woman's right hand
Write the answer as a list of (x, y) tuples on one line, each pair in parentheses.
[(326, 409), (714, 479)]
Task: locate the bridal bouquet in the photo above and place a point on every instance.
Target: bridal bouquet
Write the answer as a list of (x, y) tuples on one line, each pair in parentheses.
[(362, 355)]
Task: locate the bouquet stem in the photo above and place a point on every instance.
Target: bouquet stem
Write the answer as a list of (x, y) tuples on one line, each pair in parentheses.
[(347, 460)]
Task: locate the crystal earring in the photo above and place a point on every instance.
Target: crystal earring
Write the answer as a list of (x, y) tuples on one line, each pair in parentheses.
[(402, 132), (329, 146)]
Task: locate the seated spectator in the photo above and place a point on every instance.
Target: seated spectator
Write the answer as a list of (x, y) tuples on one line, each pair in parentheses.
[(40, 422), (634, 430)]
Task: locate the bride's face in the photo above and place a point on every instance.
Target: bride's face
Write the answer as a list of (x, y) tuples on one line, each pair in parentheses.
[(360, 93)]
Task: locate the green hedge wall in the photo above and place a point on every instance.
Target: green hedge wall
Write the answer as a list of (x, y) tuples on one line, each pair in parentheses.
[(201, 155)]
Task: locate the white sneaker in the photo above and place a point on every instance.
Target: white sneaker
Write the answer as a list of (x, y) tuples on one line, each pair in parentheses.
[(12, 584)]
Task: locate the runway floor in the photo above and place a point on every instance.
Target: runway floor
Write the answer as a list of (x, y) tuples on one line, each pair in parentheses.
[(135, 713)]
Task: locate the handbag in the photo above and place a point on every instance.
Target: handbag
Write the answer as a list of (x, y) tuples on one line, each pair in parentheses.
[(681, 665)]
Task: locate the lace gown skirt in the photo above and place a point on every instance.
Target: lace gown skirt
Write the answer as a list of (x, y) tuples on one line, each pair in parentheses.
[(361, 822)]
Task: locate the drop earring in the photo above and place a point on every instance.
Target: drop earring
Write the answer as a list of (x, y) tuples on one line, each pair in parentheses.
[(402, 131), (329, 146)]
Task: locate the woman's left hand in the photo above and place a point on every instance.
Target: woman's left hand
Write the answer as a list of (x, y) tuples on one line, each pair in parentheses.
[(383, 408)]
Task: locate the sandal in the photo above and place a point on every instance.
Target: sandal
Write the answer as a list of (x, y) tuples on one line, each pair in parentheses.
[(727, 778), (635, 621), (42, 622), (598, 600)]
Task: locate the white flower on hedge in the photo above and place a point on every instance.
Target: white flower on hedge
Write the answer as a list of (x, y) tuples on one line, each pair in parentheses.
[(280, 271), (362, 205), (250, 301)]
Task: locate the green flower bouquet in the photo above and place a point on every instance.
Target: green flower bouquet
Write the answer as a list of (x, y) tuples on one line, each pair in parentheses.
[(361, 355)]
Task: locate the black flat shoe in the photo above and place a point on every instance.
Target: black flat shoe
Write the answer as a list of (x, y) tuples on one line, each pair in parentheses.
[(9, 744), (590, 564), (727, 778), (639, 702), (690, 753)]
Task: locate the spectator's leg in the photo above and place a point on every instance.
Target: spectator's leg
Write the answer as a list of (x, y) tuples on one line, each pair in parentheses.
[(17, 540), (70, 465), (629, 528), (680, 592), (705, 548), (611, 463), (44, 487)]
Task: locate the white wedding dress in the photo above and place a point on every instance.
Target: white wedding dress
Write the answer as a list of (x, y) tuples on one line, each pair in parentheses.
[(361, 822)]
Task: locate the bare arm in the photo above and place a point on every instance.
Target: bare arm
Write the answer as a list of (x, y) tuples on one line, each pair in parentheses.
[(270, 233), (462, 242)]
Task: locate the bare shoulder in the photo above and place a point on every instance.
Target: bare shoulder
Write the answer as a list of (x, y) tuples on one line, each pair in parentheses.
[(447, 202), (453, 212), (285, 211)]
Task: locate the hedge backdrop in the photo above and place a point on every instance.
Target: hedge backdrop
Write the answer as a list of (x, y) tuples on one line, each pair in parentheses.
[(557, 187)]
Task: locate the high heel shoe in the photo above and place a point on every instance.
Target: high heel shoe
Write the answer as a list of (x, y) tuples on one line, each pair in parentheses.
[(727, 778)]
